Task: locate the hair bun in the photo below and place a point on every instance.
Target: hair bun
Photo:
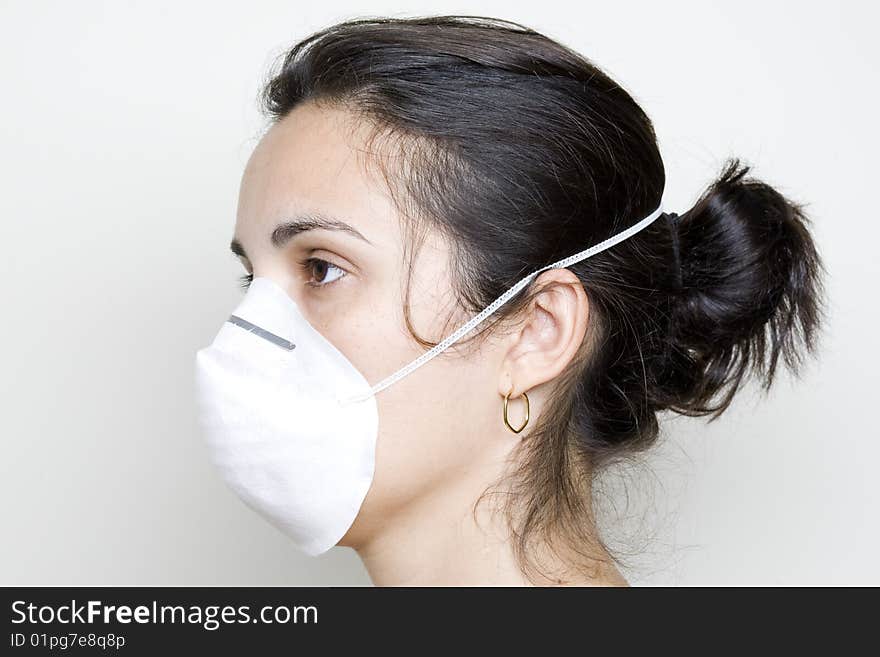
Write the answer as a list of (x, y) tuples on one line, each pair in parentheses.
[(750, 292)]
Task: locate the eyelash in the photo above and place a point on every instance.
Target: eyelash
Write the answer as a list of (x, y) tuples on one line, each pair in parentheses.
[(246, 279)]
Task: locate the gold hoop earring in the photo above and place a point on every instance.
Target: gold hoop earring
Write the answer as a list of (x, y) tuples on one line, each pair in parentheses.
[(507, 420)]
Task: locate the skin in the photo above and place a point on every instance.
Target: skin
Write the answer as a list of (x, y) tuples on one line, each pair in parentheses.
[(440, 443)]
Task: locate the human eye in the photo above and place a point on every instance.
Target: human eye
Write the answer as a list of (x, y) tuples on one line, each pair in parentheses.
[(321, 268), (312, 265)]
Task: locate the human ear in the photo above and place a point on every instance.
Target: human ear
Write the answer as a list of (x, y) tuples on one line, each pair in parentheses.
[(549, 335)]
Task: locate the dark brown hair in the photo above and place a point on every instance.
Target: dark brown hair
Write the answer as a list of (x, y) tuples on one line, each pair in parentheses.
[(523, 152)]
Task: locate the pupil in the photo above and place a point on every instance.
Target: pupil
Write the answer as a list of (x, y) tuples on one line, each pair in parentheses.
[(321, 265)]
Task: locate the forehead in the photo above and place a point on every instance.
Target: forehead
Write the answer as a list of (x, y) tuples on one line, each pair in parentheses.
[(312, 161)]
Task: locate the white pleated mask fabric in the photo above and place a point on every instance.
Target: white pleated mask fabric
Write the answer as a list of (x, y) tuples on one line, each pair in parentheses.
[(291, 423)]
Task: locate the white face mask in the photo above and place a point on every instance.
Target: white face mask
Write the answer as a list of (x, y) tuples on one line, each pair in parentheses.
[(291, 423)]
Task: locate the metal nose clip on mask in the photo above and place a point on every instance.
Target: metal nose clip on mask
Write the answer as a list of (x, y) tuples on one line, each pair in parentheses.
[(291, 423)]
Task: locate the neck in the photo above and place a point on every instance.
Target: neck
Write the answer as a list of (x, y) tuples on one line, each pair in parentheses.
[(438, 541)]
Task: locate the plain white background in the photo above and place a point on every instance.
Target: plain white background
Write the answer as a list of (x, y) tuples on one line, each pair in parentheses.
[(125, 128)]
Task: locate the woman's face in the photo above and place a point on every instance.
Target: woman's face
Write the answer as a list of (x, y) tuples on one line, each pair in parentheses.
[(440, 427)]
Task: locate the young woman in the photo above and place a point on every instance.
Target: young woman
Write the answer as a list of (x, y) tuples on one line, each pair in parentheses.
[(470, 185)]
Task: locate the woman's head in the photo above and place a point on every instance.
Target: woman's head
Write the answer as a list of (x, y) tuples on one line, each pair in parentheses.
[(464, 154)]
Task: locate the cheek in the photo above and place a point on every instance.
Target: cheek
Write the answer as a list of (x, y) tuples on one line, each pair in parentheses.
[(434, 423), (435, 430)]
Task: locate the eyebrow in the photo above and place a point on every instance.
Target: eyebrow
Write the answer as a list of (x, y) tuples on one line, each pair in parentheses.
[(284, 232)]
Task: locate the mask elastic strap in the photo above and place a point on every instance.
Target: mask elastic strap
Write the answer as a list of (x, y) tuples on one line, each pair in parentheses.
[(500, 301)]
